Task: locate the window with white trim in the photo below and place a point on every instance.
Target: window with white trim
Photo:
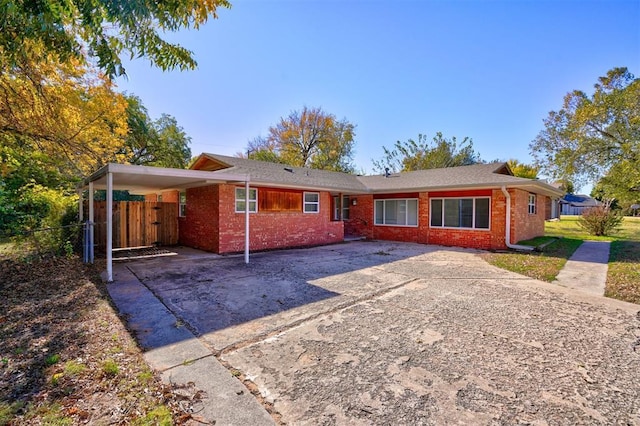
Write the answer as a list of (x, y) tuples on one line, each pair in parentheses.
[(473, 213), (396, 212), (241, 200), (182, 204), (532, 203), (311, 202), (337, 206)]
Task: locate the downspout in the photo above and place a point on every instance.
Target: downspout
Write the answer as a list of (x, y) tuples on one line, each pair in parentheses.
[(507, 231)]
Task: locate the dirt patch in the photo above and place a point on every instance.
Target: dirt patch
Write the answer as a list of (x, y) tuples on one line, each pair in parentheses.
[(66, 358)]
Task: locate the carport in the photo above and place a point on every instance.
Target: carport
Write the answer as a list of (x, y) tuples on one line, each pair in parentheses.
[(143, 180)]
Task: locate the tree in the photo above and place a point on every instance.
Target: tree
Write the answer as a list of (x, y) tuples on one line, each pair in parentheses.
[(67, 115), (161, 143), (591, 135), (523, 170), (308, 138), (621, 183), (424, 154), (103, 29)]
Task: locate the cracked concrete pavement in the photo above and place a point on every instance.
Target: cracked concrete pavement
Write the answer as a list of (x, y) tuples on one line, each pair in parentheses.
[(395, 333)]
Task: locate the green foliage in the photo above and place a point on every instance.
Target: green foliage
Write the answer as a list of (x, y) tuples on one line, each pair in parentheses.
[(103, 29), (622, 183), (424, 154), (8, 411), (523, 170), (52, 359), (594, 135), (74, 368), (600, 220), (35, 215), (308, 138), (161, 142), (160, 416), (544, 264), (110, 367)]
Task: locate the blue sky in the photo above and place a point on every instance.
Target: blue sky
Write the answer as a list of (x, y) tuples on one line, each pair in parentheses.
[(490, 70)]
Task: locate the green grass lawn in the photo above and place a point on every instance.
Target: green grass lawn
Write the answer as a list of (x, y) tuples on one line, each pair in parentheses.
[(568, 227), (623, 279)]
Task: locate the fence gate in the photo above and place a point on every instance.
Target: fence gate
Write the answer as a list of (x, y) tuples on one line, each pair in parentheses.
[(137, 223)]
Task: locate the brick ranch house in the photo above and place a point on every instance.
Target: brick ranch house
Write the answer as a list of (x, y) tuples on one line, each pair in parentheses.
[(479, 206)]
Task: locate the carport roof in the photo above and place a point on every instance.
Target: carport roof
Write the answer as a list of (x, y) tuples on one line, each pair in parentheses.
[(145, 179)]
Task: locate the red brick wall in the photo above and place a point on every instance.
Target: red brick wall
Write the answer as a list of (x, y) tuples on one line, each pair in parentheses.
[(271, 230), (498, 220), (419, 234), (525, 226), (212, 224), (170, 196), (492, 238), (199, 229), (360, 221)]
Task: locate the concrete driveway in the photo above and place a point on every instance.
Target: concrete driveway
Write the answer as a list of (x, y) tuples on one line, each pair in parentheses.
[(393, 333)]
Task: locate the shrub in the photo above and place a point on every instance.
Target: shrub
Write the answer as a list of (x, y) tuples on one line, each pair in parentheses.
[(600, 220), (39, 214)]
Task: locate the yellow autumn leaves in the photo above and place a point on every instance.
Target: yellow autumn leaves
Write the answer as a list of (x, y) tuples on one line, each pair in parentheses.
[(68, 112)]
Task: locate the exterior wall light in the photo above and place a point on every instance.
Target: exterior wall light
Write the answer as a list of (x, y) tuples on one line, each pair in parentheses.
[(354, 201)]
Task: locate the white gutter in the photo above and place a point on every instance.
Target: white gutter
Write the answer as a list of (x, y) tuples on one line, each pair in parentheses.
[(507, 231)]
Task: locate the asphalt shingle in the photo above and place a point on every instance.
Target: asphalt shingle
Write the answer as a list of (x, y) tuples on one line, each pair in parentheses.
[(475, 176)]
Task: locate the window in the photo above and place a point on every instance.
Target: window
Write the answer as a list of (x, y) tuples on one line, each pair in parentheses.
[(396, 212), (241, 200), (345, 207), (460, 213), (311, 202), (182, 204), (532, 203)]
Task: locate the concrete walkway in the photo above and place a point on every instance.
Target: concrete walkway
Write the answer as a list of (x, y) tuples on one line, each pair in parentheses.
[(180, 357), (587, 269)]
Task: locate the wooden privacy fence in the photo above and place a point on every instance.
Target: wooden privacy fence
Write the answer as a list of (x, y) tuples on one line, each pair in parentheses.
[(137, 223)]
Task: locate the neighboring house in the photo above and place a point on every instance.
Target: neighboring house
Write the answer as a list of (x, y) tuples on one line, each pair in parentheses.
[(572, 204), (468, 206)]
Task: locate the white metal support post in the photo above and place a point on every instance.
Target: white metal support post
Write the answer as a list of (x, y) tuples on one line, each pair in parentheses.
[(246, 221), (91, 222), (109, 227)]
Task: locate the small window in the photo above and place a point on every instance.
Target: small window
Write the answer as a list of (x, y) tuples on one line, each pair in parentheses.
[(241, 200), (532, 203), (182, 204), (159, 198), (311, 202)]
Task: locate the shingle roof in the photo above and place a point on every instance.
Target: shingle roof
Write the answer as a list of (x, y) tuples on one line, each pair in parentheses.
[(284, 175), (463, 176), (475, 176)]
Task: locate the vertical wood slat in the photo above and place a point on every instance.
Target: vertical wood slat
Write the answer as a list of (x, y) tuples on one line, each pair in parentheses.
[(168, 228), (136, 226), (155, 221), (134, 223)]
